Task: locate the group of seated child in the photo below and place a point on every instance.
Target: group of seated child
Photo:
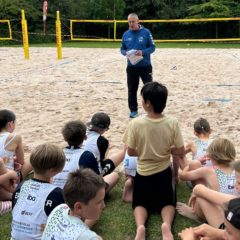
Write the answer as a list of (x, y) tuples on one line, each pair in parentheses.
[(214, 176), (65, 196), (79, 175)]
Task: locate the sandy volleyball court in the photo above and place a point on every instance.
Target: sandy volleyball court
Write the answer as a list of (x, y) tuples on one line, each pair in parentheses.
[(45, 92)]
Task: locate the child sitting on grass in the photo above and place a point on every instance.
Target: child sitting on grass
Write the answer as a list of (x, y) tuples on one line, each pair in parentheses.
[(231, 230), (74, 132), (8, 179), (99, 145), (207, 204), (220, 176), (199, 146), (153, 138), (11, 149), (84, 194), (34, 199)]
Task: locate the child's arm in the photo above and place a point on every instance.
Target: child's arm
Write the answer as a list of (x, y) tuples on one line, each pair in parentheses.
[(9, 175), (189, 147), (19, 150), (206, 231), (132, 151), (197, 174), (179, 157), (212, 195)]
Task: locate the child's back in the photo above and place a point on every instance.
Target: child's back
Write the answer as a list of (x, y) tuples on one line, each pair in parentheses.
[(199, 146), (74, 133), (95, 142), (222, 154), (75, 159), (34, 199), (152, 138)]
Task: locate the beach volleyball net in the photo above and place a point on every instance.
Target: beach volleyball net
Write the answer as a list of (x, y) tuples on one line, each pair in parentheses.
[(168, 30), (5, 30), (18, 31)]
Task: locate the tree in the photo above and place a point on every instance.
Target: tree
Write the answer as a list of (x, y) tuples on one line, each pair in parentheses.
[(213, 9), (12, 9)]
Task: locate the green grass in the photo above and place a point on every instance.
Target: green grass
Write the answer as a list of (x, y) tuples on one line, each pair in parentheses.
[(118, 44), (117, 222)]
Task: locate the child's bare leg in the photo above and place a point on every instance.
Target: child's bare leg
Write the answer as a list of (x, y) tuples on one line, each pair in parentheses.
[(166, 232), (167, 213), (5, 194), (117, 157), (140, 215), (141, 233), (213, 213), (3, 169), (127, 190), (111, 179)]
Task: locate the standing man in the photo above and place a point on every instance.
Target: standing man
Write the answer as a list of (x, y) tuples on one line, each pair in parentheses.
[(137, 45)]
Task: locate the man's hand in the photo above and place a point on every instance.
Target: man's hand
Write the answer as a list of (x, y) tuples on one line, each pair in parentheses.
[(138, 53)]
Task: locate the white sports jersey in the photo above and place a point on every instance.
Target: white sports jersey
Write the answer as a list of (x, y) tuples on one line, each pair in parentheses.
[(201, 150), (71, 165), (4, 152), (62, 226), (90, 143), (29, 213), (226, 181), (130, 165)]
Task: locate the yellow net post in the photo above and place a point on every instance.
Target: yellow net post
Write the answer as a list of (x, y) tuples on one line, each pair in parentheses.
[(25, 36), (115, 31), (58, 36)]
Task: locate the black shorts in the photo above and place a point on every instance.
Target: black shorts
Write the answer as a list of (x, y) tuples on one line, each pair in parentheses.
[(155, 191), (107, 166)]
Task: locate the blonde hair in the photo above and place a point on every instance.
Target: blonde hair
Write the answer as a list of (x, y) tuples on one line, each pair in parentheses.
[(222, 151), (47, 156)]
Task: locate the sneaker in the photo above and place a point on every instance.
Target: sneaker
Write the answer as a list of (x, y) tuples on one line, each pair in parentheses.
[(133, 114)]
